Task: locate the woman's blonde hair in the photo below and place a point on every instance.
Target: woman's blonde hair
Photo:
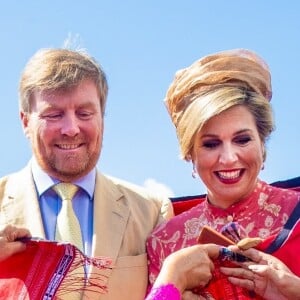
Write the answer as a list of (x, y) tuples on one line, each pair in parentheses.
[(217, 82), (217, 101)]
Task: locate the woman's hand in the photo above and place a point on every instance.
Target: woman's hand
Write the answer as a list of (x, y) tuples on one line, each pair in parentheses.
[(267, 276), (189, 267), (8, 241)]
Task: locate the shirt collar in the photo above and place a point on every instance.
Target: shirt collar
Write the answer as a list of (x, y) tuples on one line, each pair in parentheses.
[(43, 181)]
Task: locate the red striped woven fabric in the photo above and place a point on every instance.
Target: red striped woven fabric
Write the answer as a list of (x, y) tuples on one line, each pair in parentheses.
[(47, 270)]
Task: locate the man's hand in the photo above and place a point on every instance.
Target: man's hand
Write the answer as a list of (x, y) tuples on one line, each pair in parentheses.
[(8, 241)]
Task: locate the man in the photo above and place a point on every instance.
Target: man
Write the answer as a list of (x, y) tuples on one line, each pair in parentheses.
[(62, 103)]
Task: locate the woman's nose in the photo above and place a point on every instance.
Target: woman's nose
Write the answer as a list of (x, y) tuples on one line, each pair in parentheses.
[(228, 155)]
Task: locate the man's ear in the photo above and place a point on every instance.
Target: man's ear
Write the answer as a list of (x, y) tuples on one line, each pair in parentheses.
[(25, 120)]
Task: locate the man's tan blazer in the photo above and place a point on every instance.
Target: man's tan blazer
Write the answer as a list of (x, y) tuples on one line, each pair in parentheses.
[(124, 215)]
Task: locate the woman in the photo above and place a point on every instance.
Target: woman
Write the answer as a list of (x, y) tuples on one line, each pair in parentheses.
[(220, 108)]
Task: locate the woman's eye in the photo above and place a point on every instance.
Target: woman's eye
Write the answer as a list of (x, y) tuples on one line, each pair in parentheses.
[(210, 144), (243, 140)]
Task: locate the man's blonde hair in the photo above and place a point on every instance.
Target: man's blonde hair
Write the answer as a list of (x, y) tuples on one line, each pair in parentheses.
[(59, 69)]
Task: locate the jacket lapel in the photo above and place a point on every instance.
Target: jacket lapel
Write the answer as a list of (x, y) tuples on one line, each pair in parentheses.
[(111, 214), (20, 205)]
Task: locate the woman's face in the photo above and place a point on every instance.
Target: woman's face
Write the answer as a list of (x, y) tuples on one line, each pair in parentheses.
[(228, 156)]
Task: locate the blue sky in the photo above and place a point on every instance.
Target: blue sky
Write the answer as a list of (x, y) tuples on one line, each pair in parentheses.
[(141, 44)]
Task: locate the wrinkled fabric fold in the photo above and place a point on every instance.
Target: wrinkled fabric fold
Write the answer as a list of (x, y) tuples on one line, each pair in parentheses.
[(186, 96), (238, 67)]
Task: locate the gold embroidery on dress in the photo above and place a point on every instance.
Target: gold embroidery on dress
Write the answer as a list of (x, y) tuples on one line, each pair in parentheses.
[(272, 208)]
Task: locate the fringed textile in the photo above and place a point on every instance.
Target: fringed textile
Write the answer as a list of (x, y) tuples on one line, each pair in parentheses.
[(49, 270)]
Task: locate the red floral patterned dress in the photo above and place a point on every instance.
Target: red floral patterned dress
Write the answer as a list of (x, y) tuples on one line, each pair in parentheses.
[(262, 214)]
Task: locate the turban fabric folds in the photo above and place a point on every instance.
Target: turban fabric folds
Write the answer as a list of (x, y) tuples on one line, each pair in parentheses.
[(238, 68)]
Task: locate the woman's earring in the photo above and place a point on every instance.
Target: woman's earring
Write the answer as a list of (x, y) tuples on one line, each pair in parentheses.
[(194, 172)]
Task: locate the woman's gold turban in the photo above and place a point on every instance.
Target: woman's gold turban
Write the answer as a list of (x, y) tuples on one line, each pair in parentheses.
[(235, 68)]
